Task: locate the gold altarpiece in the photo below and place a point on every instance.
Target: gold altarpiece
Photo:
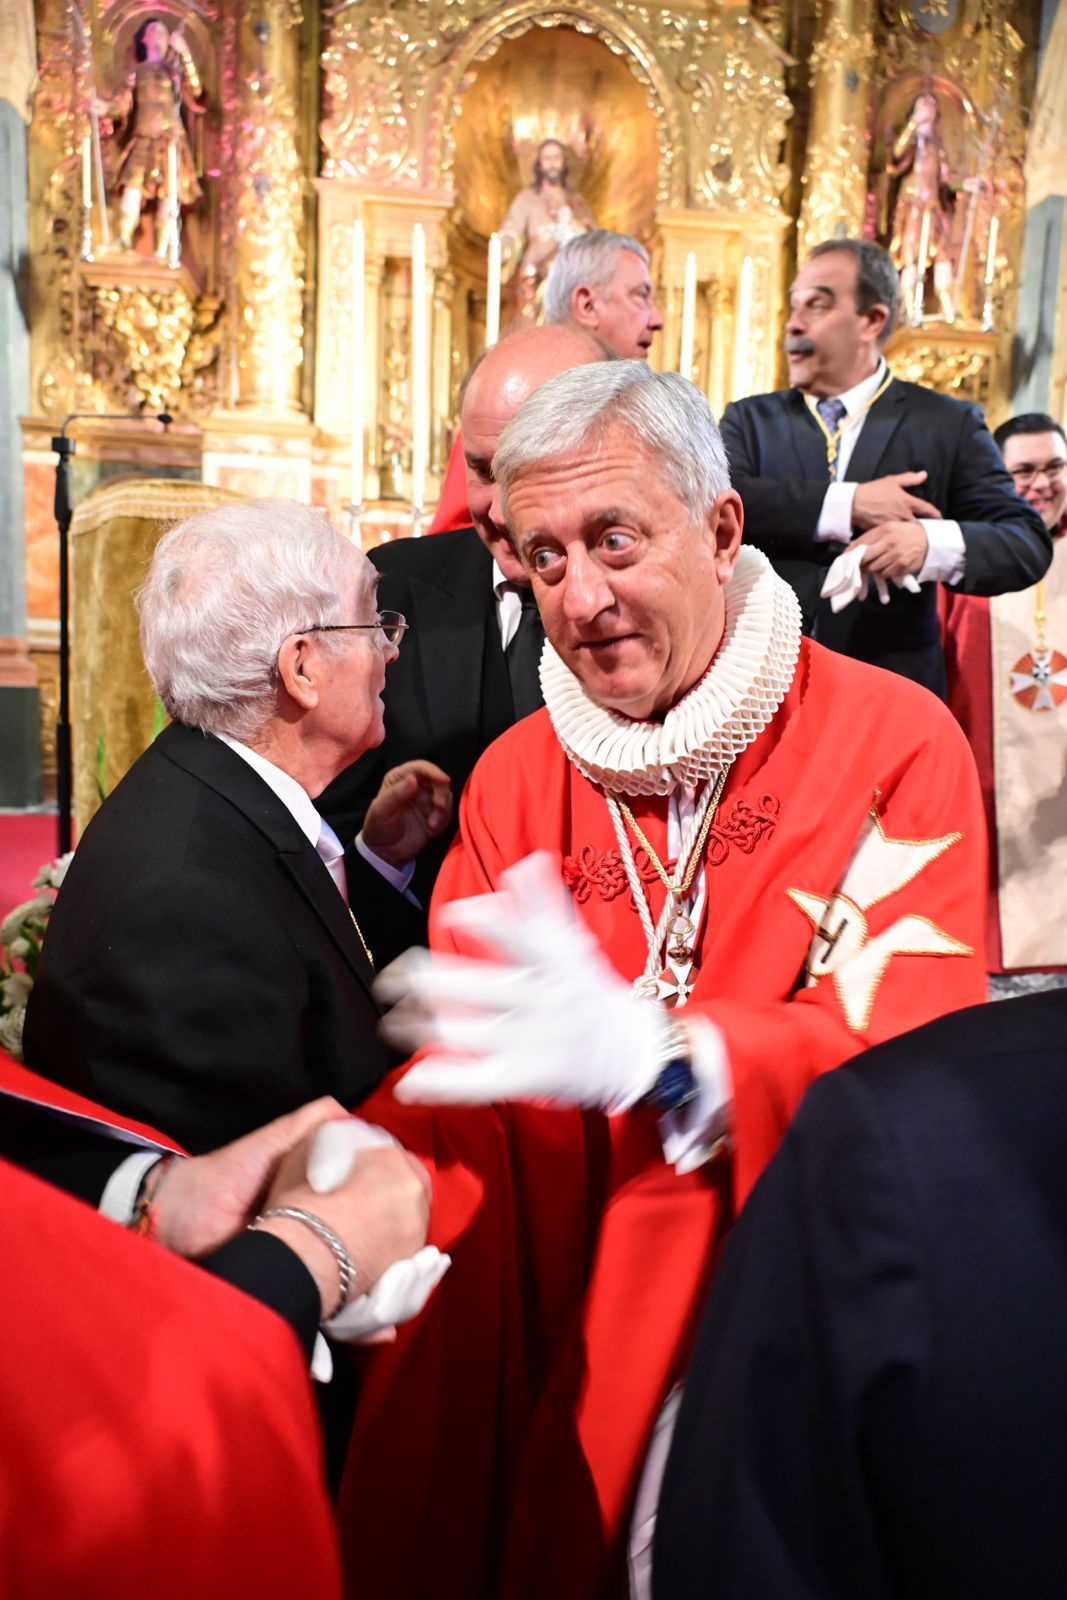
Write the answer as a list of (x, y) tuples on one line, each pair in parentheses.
[(677, 123)]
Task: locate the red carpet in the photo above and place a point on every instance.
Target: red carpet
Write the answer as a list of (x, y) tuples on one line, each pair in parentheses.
[(27, 841)]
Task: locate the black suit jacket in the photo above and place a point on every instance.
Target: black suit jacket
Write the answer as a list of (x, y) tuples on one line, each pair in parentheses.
[(778, 466), (877, 1401), (447, 696), (201, 971)]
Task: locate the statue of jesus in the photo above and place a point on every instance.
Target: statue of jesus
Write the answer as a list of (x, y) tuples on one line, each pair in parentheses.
[(539, 220)]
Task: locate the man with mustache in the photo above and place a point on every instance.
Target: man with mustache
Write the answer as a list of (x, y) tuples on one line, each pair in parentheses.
[(892, 487)]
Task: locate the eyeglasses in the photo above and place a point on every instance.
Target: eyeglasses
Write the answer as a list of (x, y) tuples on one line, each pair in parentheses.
[(1054, 471), (390, 624)]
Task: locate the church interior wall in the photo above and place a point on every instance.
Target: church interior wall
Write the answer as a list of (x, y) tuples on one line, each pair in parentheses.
[(733, 134)]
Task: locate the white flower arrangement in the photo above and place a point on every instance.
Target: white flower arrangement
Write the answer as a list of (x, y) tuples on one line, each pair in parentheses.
[(21, 936)]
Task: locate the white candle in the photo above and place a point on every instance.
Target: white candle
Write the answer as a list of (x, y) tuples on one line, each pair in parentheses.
[(492, 292), (741, 376), (87, 173), (689, 316), (991, 251), (359, 312), (420, 376)]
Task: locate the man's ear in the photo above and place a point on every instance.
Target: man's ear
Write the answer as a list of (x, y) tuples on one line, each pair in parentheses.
[(297, 669), (583, 307), (877, 321), (726, 519)]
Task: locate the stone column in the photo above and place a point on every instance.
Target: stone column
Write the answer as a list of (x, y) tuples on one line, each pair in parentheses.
[(835, 171), (267, 205), (20, 769)]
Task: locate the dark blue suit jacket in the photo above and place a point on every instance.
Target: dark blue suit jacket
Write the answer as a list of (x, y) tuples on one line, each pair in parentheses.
[(876, 1407), (778, 466), (201, 972)]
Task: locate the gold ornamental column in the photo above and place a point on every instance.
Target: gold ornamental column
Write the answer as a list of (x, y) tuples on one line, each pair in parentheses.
[(835, 174), (268, 251)]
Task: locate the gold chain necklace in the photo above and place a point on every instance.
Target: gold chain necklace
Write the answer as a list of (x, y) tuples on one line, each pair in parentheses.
[(363, 942), (680, 927), (850, 417)]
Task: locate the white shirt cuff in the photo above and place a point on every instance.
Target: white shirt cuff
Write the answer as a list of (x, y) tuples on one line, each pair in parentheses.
[(121, 1190), (946, 554), (835, 518), (689, 1136), (399, 877)]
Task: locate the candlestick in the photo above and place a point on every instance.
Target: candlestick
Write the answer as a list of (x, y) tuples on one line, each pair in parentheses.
[(920, 271), (173, 252), (87, 200), (689, 316), (420, 384), (358, 335), (991, 250), (492, 292)]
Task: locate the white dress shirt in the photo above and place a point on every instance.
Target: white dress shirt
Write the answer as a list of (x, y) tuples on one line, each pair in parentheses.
[(508, 606), (298, 803), (945, 554)]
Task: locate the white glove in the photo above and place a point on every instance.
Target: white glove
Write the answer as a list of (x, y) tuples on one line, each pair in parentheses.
[(546, 1018), (847, 580), (404, 1288)]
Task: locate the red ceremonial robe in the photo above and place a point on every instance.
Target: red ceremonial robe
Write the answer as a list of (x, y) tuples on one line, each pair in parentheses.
[(159, 1435), (512, 1418)]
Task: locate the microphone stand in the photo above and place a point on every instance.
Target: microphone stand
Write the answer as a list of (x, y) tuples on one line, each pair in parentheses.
[(63, 446)]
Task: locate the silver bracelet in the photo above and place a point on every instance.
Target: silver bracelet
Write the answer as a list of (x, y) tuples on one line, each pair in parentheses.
[(346, 1267)]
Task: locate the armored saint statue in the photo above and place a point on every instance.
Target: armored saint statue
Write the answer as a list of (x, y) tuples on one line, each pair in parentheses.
[(539, 220), (148, 112)]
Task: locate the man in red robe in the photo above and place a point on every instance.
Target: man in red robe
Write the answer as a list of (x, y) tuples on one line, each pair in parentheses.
[(761, 858)]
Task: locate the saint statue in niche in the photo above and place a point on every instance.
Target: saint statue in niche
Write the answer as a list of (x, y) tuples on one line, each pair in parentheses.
[(923, 213), (155, 161), (539, 220)]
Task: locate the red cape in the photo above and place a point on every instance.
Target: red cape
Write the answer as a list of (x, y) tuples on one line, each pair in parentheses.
[(159, 1433)]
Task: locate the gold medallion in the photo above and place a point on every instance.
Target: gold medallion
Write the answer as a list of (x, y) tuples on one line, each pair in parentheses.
[(1039, 680)]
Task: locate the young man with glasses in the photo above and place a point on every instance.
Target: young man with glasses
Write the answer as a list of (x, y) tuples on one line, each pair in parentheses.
[(1006, 660)]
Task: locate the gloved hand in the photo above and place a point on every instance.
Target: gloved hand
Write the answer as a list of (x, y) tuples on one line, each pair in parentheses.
[(545, 1018), (403, 1288), (847, 580)]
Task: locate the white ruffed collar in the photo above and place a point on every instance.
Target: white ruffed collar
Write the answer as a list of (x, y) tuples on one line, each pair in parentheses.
[(719, 717)]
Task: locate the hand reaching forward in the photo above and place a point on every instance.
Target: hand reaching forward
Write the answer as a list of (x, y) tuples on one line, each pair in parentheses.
[(546, 1017), (413, 805), (893, 550)]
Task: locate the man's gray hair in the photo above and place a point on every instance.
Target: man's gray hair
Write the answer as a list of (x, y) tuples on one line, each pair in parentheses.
[(877, 280), (590, 259), (666, 413), (226, 587)]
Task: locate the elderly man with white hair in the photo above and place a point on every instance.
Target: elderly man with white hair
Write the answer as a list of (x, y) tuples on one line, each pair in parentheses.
[(719, 862), (208, 964)]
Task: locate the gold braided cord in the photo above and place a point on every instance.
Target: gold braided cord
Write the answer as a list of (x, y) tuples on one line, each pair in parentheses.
[(680, 890), (363, 942), (850, 417)]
